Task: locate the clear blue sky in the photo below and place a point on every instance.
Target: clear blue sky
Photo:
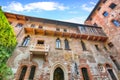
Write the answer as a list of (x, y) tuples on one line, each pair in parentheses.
[(75, 11)]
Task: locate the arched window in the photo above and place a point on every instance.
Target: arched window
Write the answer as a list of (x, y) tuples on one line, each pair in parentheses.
[(83, 45), (115, 62), (58, 74), (23, 72), (26, 41), (32, 72), (110, 71), (66, 44), (58, 43), (85, 74)]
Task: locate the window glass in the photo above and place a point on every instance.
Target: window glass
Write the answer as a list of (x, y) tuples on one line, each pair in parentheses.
[(105, 14), (112, 6), (116, 23), (58, 43)]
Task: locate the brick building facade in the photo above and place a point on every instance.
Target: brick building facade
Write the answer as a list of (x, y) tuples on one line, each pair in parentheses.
[(56, 50), (106, 14)]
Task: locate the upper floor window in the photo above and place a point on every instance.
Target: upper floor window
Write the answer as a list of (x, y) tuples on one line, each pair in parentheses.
[(32, 72), (99, 8), (66, 44), (23, 72), (90, 19), (95, 24), (82, 29), (112, 5), (104, 1), (26, 41), (32, 25), (116, 23), (57, 29), (65, 30), (83, 45), (105, 14), (40, 27), (96, 46), (40, 42), (19, 25), (110, 44), (58, 43)]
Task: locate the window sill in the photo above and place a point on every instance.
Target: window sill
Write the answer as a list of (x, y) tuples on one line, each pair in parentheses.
[(22, 46), (58, 48), (67, 49)]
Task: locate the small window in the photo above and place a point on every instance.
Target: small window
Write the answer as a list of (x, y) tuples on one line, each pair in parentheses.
[(112, 6), (116, 23), (83, 45), (40, 42), (57, 29), (105, 48), (40, 27), (99, 8), (26, 41), (90, 19), (95, 24), (32, 25), (110, 44), (104, 1), (66, 44), (65, 30), (101, 68), (19, 25), (105, 14), (58, 43), (97, 47)]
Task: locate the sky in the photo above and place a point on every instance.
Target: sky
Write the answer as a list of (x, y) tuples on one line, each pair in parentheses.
[(75, 11)]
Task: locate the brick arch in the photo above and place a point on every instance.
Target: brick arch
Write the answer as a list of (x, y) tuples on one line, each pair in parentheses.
[(88, 70), (62, 66)]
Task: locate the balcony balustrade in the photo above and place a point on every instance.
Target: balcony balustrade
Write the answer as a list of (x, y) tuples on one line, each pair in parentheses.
[(40, 49)]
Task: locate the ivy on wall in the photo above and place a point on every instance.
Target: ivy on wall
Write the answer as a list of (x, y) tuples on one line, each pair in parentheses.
[(7, 45)]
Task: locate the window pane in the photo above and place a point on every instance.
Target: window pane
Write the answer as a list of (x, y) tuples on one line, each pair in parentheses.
[(116, 23), (85, 74), (32, 72), (105, 14), (112, 6), (66, 44), (58, 43), (23, 72)]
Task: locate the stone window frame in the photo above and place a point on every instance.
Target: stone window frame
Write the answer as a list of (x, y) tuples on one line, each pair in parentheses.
[(116, 23), (19, 25), (112, 5), (27, 74), (26, 41), (105, 13)]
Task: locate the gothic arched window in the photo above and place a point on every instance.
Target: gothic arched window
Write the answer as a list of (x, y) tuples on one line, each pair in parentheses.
[(23, 72), (26, 41), (83, 45), (85, 74), (32, 72), (58, 74), (66, 44), (58, 43)]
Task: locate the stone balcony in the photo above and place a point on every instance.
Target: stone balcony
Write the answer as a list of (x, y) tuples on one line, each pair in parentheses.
[(39, 50)]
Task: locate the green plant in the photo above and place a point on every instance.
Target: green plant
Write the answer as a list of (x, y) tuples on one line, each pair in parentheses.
[(7, 45)]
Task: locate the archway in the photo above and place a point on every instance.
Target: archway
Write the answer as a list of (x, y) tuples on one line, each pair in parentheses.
[(58, 74), (60, 65)]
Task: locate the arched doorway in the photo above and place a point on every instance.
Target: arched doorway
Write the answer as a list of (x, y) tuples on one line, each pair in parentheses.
[(58, 74)]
